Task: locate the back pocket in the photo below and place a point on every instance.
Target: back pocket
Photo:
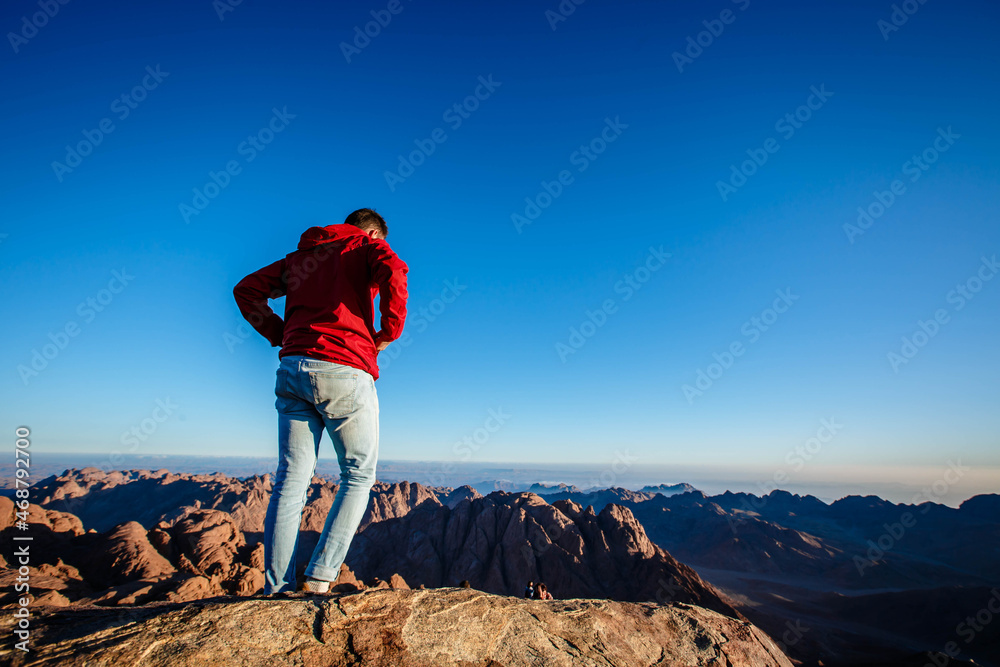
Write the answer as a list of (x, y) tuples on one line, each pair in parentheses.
[(334, 393)]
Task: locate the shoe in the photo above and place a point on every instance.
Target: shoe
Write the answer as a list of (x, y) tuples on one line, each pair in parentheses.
[(315, 586)]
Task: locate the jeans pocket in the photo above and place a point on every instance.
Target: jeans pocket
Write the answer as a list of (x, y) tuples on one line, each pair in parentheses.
[(281, 383), (334, 392), (284, 399)]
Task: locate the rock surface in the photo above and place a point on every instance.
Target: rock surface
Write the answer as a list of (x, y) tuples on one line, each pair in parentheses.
[(501, 542), (205, 541), (783, 560), (103, 500), (126, 555), (397, 628)]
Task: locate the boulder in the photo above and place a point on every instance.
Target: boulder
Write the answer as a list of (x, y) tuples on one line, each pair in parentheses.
[(392, 628)]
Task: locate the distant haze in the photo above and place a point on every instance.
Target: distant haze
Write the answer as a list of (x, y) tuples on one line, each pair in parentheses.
[(909, 485)]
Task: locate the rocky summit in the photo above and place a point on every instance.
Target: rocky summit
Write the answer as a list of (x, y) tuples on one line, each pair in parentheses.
[(397, 628), (810, 574)]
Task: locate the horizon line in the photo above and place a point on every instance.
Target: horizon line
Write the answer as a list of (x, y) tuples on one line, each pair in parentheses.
[(701, 487)]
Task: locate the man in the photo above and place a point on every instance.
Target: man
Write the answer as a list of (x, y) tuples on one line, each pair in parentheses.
[(326, 380), (542, 592)]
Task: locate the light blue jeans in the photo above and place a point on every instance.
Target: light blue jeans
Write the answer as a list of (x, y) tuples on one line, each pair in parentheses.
[(313, 395)]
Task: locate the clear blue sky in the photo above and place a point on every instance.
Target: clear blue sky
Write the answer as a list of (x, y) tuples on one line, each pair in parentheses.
[(169, 333)]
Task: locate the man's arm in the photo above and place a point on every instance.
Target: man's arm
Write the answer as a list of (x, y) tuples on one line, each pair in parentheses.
[(389, 273), (252, 294)]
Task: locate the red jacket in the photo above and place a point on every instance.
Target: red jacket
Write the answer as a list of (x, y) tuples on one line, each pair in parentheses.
[(330, 284)]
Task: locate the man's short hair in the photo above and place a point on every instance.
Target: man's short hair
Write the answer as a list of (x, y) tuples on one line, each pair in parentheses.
[(367, 219)]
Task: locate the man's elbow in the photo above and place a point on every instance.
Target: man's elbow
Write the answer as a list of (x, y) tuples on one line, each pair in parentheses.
[(391, 330), (242, 292)]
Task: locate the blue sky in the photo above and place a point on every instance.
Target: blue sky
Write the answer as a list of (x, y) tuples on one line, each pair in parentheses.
[(168, 330)]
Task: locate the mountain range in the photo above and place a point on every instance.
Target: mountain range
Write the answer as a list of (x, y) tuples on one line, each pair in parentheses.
[(857, 581)]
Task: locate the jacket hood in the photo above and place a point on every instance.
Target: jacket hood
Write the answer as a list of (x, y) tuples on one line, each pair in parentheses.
[(315, 236)]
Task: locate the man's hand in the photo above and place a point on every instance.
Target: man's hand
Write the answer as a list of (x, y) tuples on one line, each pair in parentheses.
[(379, 343)]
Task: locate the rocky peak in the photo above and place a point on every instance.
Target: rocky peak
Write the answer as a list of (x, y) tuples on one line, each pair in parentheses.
[(392, 628), (500, 542)]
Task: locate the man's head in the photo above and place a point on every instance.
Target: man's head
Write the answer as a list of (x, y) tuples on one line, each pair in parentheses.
[(369, 221)]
